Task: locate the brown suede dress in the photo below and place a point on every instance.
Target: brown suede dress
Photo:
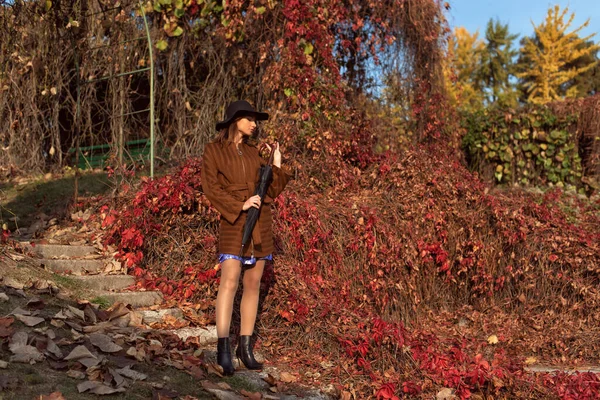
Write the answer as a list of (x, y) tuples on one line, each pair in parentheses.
[(228, 180)]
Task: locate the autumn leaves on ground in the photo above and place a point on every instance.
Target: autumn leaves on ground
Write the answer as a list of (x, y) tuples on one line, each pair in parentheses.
[(401, 270)]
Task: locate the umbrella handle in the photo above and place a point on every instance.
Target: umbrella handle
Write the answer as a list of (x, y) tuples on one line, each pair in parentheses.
[(271, 154)]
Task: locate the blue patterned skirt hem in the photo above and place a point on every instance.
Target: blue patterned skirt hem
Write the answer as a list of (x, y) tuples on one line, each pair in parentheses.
[(244, 260)]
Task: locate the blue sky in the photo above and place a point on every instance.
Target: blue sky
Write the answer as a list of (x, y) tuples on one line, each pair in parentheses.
[(474, 14)]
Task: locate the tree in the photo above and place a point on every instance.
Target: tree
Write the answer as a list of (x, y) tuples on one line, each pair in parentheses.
[(462, 69), (548, 59), (587, 83), (497, 64)]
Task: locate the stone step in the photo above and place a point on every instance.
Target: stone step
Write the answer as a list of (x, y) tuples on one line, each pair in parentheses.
[(74, 267), (106, 282), (135, 299), (549, 369), (205, 335), (152, 316), (59, 250)]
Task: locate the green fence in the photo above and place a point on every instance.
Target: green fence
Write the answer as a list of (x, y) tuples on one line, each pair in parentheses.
[(135, 151)]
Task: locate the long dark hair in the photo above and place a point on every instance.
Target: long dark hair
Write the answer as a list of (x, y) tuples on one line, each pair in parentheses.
[(225, 135)]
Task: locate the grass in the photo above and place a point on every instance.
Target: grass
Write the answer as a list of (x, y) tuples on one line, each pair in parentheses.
[(66, 281), (51, 197), (102, 302), (239, 382)]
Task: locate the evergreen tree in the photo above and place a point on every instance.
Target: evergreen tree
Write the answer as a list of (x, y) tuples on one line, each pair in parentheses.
[(553, 58), (587, 83), (497, 65)]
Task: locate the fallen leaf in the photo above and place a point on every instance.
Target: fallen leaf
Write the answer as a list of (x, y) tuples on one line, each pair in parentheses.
[(79, 352), (90, 315), (74, 325), (41, 284), (35, 304), (287, 377), (12, 283), (6, 332), (131, 374), (73, 373), (23, 353), (95, 373), (530, 360), (54, 349), (89, 362), (270, 379), (118, 378), (214, 369), (77, 312), (98, 388), (104, 343), (20, 311), (136, 319), (57, 323), (102, 326), (251, 395), (445, 394), (28, 320), (117, 310), (493, 339), (60, 315), (345, 395), (52, 396)]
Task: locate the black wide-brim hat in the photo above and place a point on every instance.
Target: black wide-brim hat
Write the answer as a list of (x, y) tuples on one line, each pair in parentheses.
[(240, 108)]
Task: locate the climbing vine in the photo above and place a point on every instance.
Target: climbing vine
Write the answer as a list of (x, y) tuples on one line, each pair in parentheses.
[(530, 147)]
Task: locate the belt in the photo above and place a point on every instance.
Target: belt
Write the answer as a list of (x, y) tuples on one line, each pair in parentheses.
[(248, 188)]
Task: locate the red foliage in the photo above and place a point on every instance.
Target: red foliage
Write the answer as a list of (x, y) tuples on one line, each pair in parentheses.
[(366, 240), (398, 236)]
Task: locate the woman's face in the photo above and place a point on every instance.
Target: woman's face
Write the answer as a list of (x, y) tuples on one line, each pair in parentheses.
[(246, 125)]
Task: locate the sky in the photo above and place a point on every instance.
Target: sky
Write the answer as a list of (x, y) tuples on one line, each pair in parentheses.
[(474, 14)]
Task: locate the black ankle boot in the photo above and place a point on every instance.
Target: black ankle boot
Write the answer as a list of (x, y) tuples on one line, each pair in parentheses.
[(245, 355), (224, 356)]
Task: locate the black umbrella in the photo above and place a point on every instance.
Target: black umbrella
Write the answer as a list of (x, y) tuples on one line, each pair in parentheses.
[(265, 177)]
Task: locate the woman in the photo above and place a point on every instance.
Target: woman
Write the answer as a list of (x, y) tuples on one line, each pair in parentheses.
[(229, 175)]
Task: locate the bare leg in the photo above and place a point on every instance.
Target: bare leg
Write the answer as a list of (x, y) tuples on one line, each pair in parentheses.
[(249, 305), (230, 276)]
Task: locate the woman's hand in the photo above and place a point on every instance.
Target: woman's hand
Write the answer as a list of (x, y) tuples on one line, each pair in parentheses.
[(276, 154), (253, 201)]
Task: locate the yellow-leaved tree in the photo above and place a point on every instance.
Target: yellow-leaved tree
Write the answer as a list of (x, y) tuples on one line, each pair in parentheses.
[(545, 58), (461, 69)]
